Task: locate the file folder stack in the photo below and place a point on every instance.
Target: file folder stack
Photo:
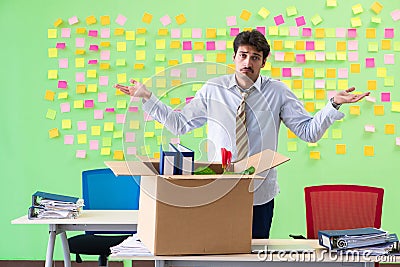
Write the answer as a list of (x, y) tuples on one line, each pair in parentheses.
[(178, 160), (53, 206), (368, 239)]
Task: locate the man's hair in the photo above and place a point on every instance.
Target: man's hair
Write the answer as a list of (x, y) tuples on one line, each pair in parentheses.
[(253, 38)]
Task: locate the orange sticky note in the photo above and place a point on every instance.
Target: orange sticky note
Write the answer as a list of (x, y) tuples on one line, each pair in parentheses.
[(300, 45), (297, 84), (173, 62), (309, 106), (80, 30), (376, 7), (340, 149), (79, 51), (138, 66), (320, 33), (368, 151), (176, 83), (53, 133), (104, 66), (175, 101), (49, 95), (221, 58), (370, 33), (330, 73), (290, 134), (371, 84), (147, 18), (105, 44), (355, 68), (355, 110), (288, 57), (340, 46), (278, 45), (315, 155), (198, 46), (118, 155), (389, 128), (174, 44), (162, 32), (308, 73), (245, 15), (211, 33), (379, 110), (119, 31), (105, 20), (180, 19), (91, 20), (58, 22), (275, 72), (80, 88), (320, 94), (386, 44), (140, 30)]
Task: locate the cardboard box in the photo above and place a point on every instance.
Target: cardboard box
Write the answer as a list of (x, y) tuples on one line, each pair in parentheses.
[(196, 214)]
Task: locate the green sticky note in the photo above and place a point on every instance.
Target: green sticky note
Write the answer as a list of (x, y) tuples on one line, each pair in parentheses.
[(160, 57), (330, 32), (211, 57), (196, 87), (198, 133), (373, 47), (330, 84), (292, 146), (316, 19), (330, 56), (326, 134), (106, 141), (396, 46), (117, 134), (140, 41), (291, 11), (320, 72), (120, 62), (51, 114), (388, 81), (187, 33), (221, 32), (283, 31), (337, 133), (376, 20), (308, 83), (121, 104), (298, 93)]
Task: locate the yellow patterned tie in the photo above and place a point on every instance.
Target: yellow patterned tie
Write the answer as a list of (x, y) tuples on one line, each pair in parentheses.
[(242, 146)]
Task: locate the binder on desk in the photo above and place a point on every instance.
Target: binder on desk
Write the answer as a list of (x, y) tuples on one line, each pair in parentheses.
[(169, 161), (352, 238), (185, 159), (38, 196)]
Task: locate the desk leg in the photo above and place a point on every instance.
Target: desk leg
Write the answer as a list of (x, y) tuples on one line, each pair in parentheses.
[(50, 248), (159, 263), (64, 241)]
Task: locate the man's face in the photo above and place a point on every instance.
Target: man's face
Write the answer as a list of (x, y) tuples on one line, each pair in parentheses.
[(249, 61)]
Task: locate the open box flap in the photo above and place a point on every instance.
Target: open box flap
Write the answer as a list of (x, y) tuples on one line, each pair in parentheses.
[(262, 161), (131, 168)]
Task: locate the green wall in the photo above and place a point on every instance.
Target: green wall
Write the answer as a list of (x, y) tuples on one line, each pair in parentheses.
[(32, 161)]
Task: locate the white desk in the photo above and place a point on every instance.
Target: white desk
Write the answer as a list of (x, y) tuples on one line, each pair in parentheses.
[(89, 220)]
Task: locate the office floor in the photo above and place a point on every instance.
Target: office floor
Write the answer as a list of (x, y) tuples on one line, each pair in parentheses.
[(74, 264)]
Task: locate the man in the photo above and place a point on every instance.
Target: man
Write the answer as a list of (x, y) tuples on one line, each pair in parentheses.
[(268, 103)]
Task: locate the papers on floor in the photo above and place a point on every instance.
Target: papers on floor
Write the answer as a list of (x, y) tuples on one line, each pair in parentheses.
[(130, 247)]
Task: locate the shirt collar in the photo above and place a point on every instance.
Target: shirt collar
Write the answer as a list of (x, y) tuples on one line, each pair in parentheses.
[(233, 83)]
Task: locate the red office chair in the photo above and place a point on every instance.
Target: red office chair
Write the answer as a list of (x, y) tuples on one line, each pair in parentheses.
[(342, 207)]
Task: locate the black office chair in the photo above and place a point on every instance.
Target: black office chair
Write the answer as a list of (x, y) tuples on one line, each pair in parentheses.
[(102, 190)]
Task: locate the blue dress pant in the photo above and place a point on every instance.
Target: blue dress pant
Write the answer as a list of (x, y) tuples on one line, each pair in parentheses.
[(262, 219)]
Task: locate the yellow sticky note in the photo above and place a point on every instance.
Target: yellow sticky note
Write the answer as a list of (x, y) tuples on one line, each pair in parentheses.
[(289, 44), (129, 35), (91, 20), (376, 20), (343, 84), (198, 133), (297, 84), (80, 51), (221, 58), (161, 83), (309, 94), (356, 22), (118, 155), (158, 126), (92, 88), (147, 18), (331, 3), (381, 72), (117, 134), (292, 146), (319, 45), (106, 141), (79, 62), (379, 110), (160, 44), (245, 15), (121, 46), (95, 130), (105, 151), (148, 134), (62, 95), (58, 22), (315, 155), (263, 12), (355, 110), (121, 104), (395, 106), (316, 19), (180, 19), (291, 11), (49, 95), (371, 84), (357, 9), (187, 58), (159, 71), (175, 101), (373, 47), (140, 41), (388, 81), (300, 45), (140, 55), (273, 30), (52, 74), (389, 128), (368, 151), (211, 33), (108, 126), (121, 78), (52, 33), (134, 125), (120, 62), (376, 7), (53, 133), (66, 124), (82, 139), (78, 103), (337, 133), (91, 73), (340, 149), (341, 56), (104, 20), (340, 46)]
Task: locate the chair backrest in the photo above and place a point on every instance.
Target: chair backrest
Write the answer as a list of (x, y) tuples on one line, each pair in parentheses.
[(339, 207)]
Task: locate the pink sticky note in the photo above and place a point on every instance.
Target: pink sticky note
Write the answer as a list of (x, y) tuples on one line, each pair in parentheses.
[(81, 154), (370, 62), (397, 141), (62, 84), (133, 109), (306, 32), (352, 33), (188, 99), (103, 80), (176, 33), (340, 32), (60, 45), (220, 45), (210, 45), (82, 125), (176, 140), (300, 58), (234, 32), (196, 33), (279, 56), (120, 118), (261, 29), (231, 21), (300, 21), (175, 73), (370, 99), (187, 45), (369, 128), (65, 107), (286, 72), (352, 45), (94, 144), (120, 20), (389, 32), (198, 58), (293, 31), (352, 56), (320, 56), (129, 137), (80, 42), (93, 33), (92, 61), (385, 96), (80, 77), (310, 45), (63, 63), (93, 47), (319, 83), (343, 73), (105, 55), (73, 20), (68, 139), (298, 72), (389, 59), (98, 114), (147, 117), (279, 20), (110, 110), (89, 103), (191, 72), (131, 150), (135, 99), (395, 14), (102, 97), (165, 20), (105, 33), (65, 33)]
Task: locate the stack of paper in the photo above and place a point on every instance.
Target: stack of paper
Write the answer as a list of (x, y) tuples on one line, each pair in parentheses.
[(130, 247)]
